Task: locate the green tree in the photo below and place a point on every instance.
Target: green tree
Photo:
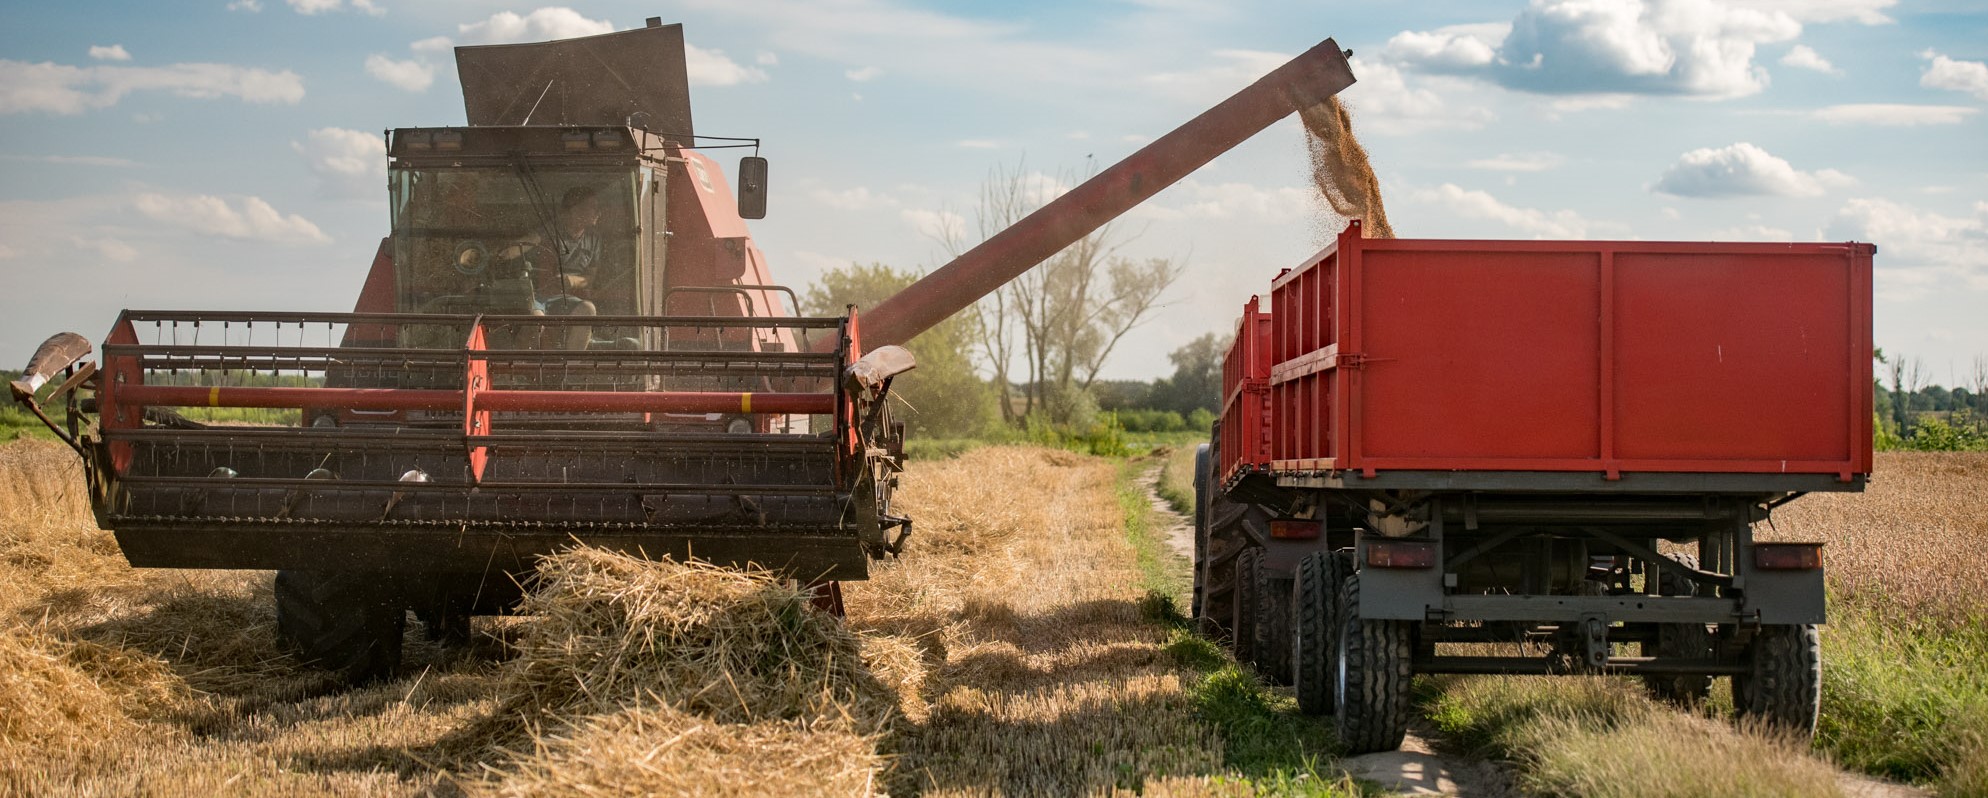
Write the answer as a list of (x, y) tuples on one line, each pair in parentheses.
[(1196, 383), (943, 396)]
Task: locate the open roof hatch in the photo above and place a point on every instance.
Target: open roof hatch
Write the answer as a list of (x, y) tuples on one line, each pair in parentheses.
[(592, 80)]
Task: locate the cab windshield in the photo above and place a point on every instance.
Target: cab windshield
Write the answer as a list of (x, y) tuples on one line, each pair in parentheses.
[(514, 239)]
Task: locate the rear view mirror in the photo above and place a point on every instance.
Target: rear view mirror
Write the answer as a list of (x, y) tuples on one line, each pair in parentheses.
[(752, 187)]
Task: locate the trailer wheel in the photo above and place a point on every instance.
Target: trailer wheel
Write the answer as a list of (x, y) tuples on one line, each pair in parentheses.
[(1202, 467), (1682, 640), (1314, 608), (1273, 626), (1782, 685), (343, 621), (1375, 667), (1246, 588)]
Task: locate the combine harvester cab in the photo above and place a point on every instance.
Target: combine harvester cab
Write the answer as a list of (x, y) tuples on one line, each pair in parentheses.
[(1558, 446)]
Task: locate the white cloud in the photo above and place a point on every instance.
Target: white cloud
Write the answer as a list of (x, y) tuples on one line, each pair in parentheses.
[(863, 74), (250, 6), (348, 163), (109, 248), (314, 7), (978, 144), (409, 75), (1741, 170), (1892, 114), (115, 52), (552, 22), (1227, 72), (1752, 232), (1191, 198), (764, 58), (432, 44), (1481, 205), (75, 160), (1922, 250), (935, 225), (1962, 76), (1801, 56), (712, 68), (254, 220), (1521, 162), (1383, 102), (62, 89), (1868, 12), (1698, 48), (858, 198)]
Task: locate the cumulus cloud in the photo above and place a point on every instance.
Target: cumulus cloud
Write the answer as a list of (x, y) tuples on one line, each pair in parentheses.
[(1697, 48), (1523, 162), (551, 22), (978, 144), (1224, 73), (863, 74), (409, 75), (1970, 77), (250, 220), (75, 160), (713, 68), (62, 89), (1923, 250), (348, 163), (935, 225), (432, 44), (1472, 204), (1868, 12), (1892, 114), (314, 7), (250, 6), (858, 198), (1384, 102), (1801, 56), (1194, 199), (115, 52), (1743, 170)]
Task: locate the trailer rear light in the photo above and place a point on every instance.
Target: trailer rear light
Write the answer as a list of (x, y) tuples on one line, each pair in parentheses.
[(1401, 554), (1787, 556), (1296, 530)]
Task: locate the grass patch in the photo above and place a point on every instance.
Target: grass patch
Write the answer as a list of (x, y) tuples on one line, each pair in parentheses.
[(1601, 737), (1160, 569), (1177, 478), (1906, 701)]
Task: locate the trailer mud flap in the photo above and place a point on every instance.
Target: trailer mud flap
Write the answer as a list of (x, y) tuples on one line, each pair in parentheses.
[(1397, 594)]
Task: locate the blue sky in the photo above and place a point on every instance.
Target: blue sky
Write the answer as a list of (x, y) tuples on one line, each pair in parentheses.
[(224, 154)]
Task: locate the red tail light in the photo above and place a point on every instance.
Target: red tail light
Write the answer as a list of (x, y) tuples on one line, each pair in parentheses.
[(1296, 530), (1787, 556), (1401, 554)]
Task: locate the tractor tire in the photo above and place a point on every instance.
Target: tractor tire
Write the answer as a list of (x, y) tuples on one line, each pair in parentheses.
[(1309, 647), (1685, 640), (1375, 665), (1246, 588), (1273, 626), (1782, 685), (1203, 487), (343, 621)]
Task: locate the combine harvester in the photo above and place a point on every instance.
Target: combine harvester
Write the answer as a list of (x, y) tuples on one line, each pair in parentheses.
[(569, 337), (1561, 445)]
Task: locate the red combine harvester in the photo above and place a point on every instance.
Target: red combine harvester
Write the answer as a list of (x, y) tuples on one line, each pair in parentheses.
[(1559, 445), (568, 337)]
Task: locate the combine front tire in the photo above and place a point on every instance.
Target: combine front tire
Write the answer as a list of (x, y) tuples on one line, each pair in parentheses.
[(1782, 685), (342, 621), (1375, 667)]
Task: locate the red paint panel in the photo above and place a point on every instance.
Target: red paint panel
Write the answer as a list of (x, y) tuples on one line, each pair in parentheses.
[(1727, 356), (1486, 353)]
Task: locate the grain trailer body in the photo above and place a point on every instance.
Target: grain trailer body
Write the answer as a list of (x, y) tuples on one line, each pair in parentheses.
[(1560, 445)]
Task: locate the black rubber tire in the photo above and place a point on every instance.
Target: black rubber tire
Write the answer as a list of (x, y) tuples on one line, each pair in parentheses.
[(1782, 685), (1273, 626), (1311, 647), (1688, 640), (343, 621), (1375, 665), (1203, 486), (1242, 637)]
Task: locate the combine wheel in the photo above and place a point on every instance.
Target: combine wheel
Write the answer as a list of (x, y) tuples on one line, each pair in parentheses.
[(1683, 640), (1375, 667), (1783, 682), (1247, 589), (343, 621)]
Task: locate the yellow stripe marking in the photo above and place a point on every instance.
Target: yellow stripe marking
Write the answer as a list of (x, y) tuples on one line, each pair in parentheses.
[(745, 403), (214, 396)]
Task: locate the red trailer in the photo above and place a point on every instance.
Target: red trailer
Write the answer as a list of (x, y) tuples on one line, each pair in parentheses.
[(1559, 444)]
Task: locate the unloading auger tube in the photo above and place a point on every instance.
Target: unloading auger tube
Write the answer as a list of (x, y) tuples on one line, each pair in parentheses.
[(1307, 80), (484, 457)]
